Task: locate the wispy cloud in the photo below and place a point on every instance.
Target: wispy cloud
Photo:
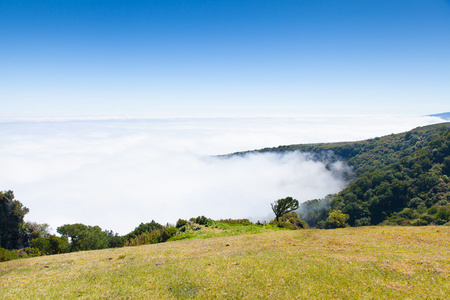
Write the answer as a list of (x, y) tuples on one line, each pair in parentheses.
[(118, 173)]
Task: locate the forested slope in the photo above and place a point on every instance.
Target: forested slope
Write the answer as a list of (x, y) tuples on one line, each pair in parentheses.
[(397, 179)]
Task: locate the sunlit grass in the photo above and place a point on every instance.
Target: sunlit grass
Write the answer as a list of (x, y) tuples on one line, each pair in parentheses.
[(351, 263)]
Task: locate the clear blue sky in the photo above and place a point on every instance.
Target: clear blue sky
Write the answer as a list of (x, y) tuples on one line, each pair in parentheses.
[(90, 57)]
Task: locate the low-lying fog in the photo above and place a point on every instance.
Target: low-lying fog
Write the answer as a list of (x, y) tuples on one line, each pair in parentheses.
[(118, 173)]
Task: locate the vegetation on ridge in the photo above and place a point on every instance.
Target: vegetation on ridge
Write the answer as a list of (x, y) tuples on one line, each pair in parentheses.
[(397, 179), (80, 237)]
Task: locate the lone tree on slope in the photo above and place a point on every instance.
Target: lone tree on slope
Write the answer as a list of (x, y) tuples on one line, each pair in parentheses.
[(284, 206)]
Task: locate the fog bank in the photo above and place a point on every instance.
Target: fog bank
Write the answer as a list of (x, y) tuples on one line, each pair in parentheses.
[(118, 173)]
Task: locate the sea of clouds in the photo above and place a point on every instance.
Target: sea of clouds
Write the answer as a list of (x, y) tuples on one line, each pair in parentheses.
[(117, 172)]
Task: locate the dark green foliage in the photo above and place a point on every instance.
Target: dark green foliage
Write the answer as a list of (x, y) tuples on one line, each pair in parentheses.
[(142, 228), (114, 240), (152, 237), (291, 221), (51, 245), (416, 180), (83, 237), (149, 233), (202, 220), (435, 215), (181, 223), (284, 206), (408, 170), (13, 232)]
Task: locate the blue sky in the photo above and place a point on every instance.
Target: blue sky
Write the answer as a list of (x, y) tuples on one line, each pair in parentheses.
[(164, 58)]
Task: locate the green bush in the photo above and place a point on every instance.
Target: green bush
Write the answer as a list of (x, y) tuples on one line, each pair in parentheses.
[(6, 255), (51, 245), (429, 219), (32, 252), (444, 213), (336, 219), (153, 237), (244, 222), (202, 220), (419, 222), (363, 222), (290, 221), (142, 228)]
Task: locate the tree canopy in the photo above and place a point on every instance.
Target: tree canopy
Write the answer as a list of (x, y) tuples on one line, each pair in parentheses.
[(13, 232), (84, 237), (401, 179), (284, 206)]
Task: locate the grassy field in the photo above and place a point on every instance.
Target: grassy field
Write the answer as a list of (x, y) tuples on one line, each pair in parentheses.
[(351, 263)]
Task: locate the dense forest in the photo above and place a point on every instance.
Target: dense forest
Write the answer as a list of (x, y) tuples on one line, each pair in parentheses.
[(400, 179)]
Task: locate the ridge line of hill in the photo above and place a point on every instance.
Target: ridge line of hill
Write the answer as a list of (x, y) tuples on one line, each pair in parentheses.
[(398, 179)]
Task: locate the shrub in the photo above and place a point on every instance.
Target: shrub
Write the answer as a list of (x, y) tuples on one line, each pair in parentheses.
[(444, 213), (51, 245), (419, 222), (429, 219), (336, 219), (363, 222), (32, 252), (142, 228), (290, 221), (6, 255), (202, 220), (153, 237), (244, 222)]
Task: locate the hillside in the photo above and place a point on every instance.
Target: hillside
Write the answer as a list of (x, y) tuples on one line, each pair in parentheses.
[(399, 179), (351, 263)]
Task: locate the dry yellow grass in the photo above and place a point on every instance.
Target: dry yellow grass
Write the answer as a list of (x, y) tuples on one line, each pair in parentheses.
[(351, 263)]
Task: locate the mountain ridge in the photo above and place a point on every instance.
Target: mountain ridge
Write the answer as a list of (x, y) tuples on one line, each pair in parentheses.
[(398, 179)]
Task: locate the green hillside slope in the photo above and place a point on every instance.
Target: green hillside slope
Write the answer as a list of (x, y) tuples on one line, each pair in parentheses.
[(400, 178)]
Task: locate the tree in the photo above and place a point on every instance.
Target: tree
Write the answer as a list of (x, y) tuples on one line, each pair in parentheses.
[(13, 233), (38, 230), (284, 206), (84, 237), (142, 228), (114, 239), (336, 219)]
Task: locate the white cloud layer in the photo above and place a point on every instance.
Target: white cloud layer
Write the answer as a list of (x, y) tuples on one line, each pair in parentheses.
[(118, 173)]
